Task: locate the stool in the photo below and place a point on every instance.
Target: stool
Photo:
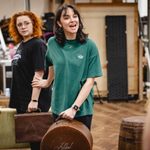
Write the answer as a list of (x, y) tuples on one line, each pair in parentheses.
[(131, 130)]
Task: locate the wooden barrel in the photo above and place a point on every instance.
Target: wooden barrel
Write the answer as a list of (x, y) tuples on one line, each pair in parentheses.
[(7, 129), (67, 135), (131, 130)]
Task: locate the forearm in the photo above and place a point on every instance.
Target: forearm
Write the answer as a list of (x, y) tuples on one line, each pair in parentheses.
[(85, 91), (36, 90), (50, 76), (33, 105), (38, 82), (35, 93), (82, 96)]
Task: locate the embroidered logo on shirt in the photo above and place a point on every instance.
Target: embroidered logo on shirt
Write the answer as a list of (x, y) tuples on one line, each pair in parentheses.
[(80, 56)]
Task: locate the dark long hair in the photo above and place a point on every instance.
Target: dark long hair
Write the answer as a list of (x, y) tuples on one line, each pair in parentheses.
[(59, 33)]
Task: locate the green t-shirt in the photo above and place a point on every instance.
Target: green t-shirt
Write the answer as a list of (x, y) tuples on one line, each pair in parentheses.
[(73, 64)]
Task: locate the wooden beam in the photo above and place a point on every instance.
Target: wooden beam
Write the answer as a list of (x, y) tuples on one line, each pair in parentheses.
[(140, 70), (116, 1)]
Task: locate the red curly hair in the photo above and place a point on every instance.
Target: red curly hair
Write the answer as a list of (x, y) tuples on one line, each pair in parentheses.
[(37, 25)]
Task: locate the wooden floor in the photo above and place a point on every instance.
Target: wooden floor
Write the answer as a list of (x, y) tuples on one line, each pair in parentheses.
[(107, 120)]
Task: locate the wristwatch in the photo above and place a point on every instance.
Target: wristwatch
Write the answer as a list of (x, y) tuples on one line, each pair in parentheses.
[(75, 107), (34, 100)]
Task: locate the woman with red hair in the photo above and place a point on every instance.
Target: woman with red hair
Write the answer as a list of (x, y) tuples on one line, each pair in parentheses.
[(26, 29)]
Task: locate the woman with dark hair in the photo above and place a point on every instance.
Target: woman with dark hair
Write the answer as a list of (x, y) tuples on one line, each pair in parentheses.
[(26, 29), (74, 64)]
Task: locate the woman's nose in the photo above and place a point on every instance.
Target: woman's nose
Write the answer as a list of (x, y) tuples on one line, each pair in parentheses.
[(71, 18)]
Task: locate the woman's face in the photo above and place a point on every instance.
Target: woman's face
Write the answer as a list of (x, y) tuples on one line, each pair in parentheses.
[(69, 21), (25, 27)]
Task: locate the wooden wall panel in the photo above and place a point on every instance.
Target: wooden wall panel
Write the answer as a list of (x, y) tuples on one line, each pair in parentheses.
[(94, 20)]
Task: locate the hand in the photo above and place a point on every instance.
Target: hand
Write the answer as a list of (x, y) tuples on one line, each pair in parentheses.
[(68, 113), (32, 106), (38, 82)]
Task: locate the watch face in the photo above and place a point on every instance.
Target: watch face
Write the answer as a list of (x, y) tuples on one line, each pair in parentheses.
[(75, 107)]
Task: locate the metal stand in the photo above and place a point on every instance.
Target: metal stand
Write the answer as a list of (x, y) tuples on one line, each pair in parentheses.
[(99, 96)]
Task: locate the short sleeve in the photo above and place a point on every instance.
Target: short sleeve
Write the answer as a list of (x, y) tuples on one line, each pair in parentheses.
[(94, 66), (39, 50), (48, 58)]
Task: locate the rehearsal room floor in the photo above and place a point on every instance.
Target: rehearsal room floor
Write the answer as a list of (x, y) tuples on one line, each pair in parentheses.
[(107, 120)]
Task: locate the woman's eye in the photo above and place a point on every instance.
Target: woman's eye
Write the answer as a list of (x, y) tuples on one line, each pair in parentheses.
[(66, 17), (75, 16)]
